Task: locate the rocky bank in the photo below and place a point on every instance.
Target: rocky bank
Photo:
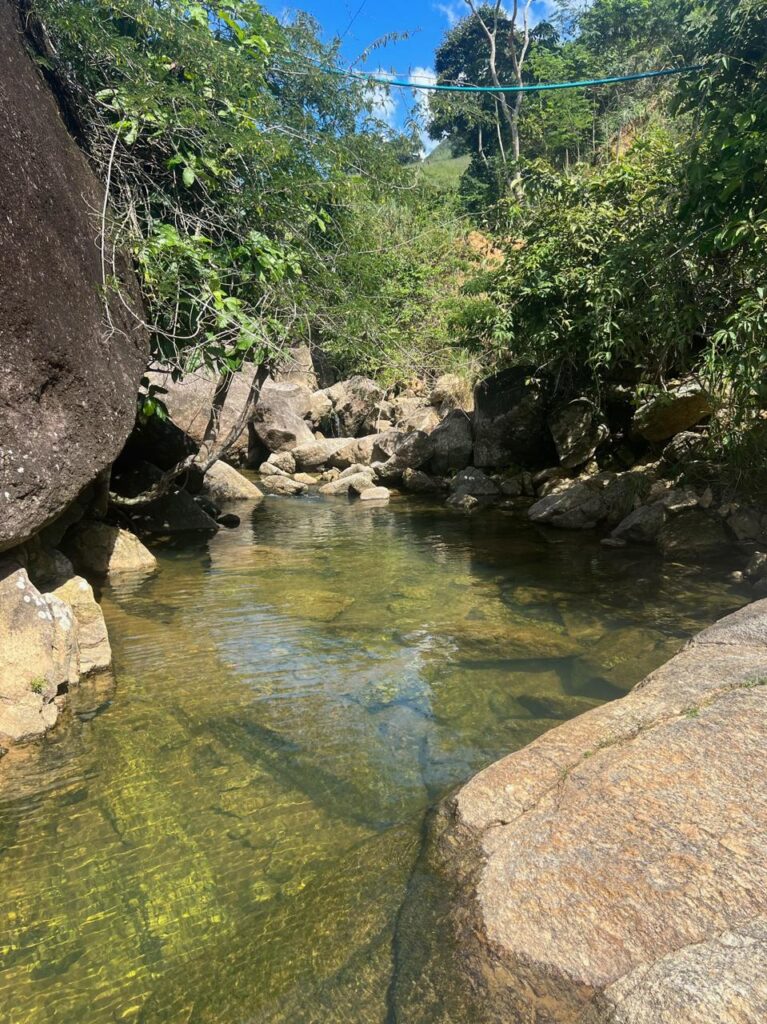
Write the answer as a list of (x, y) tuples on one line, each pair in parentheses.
[(615, 870), (71, 364)]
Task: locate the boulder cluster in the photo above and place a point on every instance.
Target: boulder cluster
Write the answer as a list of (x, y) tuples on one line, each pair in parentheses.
[(636, 472)]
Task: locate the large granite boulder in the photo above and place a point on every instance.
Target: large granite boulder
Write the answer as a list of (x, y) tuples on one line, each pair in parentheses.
[(224, 483), (366, 450), (68, 382), (412, 412), (672, 412), (354, 403), (278, 420), (316, 453), (453, 443), (474, 482), (585, 503), (615, 870), (98, 549), (510, 427), (189, 402), (90, 628), (413, 451), (577, 430), (297, 367), (350, 483)]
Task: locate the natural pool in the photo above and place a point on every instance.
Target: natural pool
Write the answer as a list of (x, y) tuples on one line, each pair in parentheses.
[(227, 834)]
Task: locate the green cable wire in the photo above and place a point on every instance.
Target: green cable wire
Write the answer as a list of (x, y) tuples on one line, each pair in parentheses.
[(401, 84)]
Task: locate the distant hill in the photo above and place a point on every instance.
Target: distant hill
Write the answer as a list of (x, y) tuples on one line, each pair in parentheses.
[(442, 168)]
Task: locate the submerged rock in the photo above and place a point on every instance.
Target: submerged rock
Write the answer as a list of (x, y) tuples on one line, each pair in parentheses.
[(463, 502), (693, 534), (615, 870)]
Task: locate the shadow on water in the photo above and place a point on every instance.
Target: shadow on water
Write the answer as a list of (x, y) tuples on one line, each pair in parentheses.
[(234, 829)]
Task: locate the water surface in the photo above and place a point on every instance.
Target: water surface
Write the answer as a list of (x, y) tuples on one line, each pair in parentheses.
[(226, 832)]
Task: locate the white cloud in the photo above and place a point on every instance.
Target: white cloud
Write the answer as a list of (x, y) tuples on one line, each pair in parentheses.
[(541, 11), (382, 100), (423, 76), (452, 12)]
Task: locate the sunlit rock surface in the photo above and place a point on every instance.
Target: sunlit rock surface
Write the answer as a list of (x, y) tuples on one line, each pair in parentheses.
[(615, 870)]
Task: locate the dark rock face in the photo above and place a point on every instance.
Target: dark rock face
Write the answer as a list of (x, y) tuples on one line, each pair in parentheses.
[(510, 421), (577, 432), (453, 442), (68, 381), (176, 512)]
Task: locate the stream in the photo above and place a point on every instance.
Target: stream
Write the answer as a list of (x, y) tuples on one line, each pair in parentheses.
[(227, 831)]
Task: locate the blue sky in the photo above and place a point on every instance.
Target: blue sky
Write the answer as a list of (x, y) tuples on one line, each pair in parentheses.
[(362, 23)]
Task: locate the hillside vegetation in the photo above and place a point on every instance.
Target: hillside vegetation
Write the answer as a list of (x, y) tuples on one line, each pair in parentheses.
[(265, 204)]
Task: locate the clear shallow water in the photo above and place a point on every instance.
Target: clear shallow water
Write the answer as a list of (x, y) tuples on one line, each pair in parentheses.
[(227, 832)]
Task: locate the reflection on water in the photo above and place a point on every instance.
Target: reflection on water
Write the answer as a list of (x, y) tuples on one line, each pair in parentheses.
[(228, 834)]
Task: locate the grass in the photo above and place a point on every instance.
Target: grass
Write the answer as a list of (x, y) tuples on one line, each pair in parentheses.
[(443, 169)]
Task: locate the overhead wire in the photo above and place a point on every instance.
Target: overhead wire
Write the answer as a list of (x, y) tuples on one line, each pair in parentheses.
[(400, 82)]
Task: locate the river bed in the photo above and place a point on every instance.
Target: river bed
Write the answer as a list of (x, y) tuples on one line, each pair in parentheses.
[(226, 831)]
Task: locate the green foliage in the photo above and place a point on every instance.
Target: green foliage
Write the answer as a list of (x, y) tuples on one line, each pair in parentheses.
[(594, 266), (241, 177), (646, 262)]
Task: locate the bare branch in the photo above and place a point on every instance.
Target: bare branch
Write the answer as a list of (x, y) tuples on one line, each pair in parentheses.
[(209, 452)]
